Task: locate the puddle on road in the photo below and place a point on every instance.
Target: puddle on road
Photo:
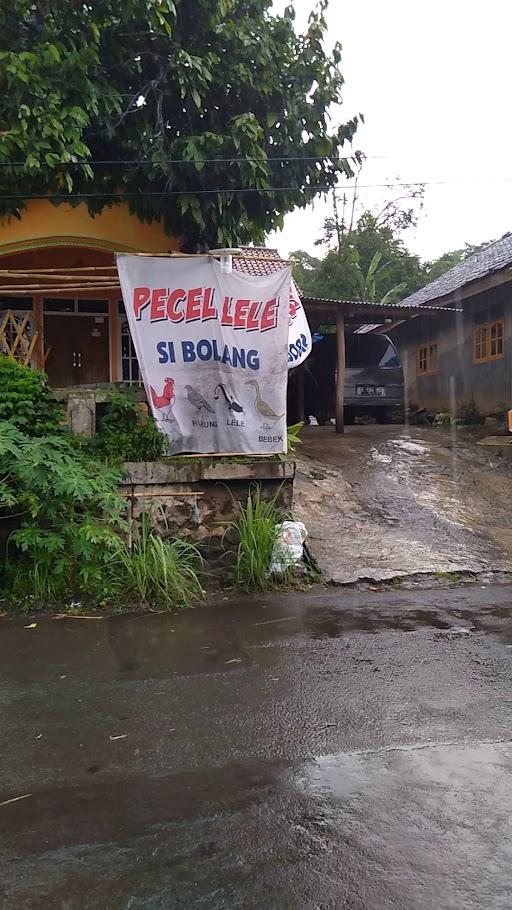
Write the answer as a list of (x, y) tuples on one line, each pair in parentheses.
[(439, 765), (496, 621), (156, 646), (330, 623), (118, 809)]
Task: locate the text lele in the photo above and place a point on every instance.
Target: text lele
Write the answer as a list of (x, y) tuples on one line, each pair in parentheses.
[(198, 305)]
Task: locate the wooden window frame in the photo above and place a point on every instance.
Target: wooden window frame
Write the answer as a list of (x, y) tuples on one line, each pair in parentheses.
[(500, 336), (498, 327), (130, 360), (426, 359)]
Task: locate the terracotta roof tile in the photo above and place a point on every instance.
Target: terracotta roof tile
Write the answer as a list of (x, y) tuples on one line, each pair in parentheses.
[(258, 261)]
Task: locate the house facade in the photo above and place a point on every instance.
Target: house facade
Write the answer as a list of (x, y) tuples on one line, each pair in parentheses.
[(465, 356), (60, 303)]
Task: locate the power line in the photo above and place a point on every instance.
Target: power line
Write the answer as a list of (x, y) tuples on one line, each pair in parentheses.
[(419, 183), (174, 161), (320, 188), (160, 193)]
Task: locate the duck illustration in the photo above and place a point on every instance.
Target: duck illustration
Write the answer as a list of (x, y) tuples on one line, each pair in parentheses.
[(262, 407), (230, 401), (197, 399)]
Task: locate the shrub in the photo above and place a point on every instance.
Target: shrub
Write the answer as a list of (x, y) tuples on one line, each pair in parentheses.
[(126, 433), (469, 414), (27, 401), (256, 531), (68, 514), (69, 545), (61, 511)]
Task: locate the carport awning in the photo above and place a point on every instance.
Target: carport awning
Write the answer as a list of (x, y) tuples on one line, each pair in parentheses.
[(346, 315), (327, 311)]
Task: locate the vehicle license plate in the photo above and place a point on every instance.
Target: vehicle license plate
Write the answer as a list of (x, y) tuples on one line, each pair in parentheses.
[(370, 390)]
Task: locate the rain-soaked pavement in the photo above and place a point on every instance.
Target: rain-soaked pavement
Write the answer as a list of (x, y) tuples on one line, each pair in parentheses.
[(330, 749), (389, 501)]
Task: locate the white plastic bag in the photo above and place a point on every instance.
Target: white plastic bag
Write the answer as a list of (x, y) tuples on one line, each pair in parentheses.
[(289, 547)]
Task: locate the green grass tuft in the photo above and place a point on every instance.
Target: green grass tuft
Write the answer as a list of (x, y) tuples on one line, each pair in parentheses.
[(158, 572), (256, 531)]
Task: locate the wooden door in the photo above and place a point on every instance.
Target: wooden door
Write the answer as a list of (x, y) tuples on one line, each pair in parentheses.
[(79, 352)]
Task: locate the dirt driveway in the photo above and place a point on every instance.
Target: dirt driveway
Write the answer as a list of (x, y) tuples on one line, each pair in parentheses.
[(388, 501)]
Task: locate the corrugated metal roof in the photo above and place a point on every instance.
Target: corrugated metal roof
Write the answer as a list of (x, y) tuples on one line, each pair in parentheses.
[(369, 304), (492, 258)]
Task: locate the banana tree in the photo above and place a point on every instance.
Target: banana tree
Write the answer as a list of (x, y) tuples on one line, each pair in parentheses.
[(375, 275)]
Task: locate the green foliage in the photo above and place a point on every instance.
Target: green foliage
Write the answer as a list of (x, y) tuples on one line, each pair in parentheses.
[(68, 513), (157, 572), (154, 82), (26, 401), (293, 438), (69, 544), (126, 433), (65, 516), (373, 279), (469, 414), (372, 263), (256, 531)]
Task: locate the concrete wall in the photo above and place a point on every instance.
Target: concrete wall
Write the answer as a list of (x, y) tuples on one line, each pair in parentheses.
[(489, 384), (197, 500)]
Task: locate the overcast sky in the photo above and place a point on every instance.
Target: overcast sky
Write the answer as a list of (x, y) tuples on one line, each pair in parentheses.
[(432, 78)]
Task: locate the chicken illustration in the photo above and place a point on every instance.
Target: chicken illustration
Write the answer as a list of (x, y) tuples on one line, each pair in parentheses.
[(165, 401), (293, 309), (262, 408), (230, 401), (197, 399)]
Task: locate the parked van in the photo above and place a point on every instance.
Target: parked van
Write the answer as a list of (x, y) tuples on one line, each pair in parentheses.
[(374, 382)]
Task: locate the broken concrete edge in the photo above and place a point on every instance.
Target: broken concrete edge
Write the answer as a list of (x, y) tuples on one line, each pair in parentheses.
[(454, 578), (160, 472)]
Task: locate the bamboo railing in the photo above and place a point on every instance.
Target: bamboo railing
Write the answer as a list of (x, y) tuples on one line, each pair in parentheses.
[(21, 340)]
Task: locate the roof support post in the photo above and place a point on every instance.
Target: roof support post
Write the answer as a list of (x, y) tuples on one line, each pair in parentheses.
[(340, 376), (300, 392)]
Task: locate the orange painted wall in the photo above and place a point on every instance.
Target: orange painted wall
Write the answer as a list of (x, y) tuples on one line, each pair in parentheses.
[(49, 236), (115, 229)]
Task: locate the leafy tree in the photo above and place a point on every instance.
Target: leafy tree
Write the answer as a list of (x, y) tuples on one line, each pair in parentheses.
[(372, 262), (159, 88)]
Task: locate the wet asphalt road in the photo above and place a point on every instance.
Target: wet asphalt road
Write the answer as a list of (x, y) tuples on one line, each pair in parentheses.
[(324, 750)]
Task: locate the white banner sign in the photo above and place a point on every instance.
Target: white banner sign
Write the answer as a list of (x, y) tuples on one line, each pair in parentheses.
[(213, 349), (299, 337)]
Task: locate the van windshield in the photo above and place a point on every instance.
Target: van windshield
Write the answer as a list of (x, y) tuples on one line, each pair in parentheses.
[(370, 351)]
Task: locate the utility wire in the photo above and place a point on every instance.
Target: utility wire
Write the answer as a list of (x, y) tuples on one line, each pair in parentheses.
[(173, 161), (161, 193), (321, 188)]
